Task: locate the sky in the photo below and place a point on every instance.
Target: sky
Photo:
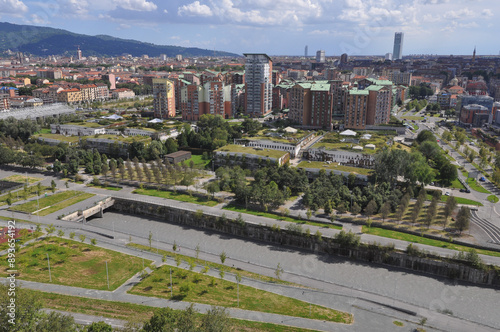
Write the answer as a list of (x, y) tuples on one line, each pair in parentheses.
[(277, 27)]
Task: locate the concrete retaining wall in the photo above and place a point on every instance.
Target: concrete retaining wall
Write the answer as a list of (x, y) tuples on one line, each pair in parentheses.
[(313, 243)]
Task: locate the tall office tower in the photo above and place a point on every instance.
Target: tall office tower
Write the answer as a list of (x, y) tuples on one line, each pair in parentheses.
[(344, 58), (164, 98), (305, 52), (320, 56), (258, 84), (397, 53)]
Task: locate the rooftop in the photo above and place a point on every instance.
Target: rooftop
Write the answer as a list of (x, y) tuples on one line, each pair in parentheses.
[(252, 151)]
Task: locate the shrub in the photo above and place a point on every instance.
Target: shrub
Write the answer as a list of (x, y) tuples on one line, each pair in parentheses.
[(347, 240)]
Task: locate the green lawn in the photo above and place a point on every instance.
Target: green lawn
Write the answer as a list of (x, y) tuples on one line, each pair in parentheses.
[(276, 216), (422, 240), (461, 200), (74, 264), (22, 179), (456, 184), (104, 187), (18, 195), (474, 185), (25, 235), (135, 312), (53, 203), (176, 196), (412, 117), (334, 166), (198, 161), (493, 199), (214, 291)]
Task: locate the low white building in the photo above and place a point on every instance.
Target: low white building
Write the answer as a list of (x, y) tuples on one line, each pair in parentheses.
[(73, 130)]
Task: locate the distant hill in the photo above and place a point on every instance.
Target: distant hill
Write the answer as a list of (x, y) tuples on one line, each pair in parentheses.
[(43, 41)]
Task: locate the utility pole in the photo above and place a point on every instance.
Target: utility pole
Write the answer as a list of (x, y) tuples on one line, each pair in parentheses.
[(171, 288), (107, 275), (48, 262)]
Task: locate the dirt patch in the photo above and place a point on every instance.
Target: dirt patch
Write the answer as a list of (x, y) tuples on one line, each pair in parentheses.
[(88, 255)]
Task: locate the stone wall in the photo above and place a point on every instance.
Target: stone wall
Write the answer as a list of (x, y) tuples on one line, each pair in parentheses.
[(284, 237)]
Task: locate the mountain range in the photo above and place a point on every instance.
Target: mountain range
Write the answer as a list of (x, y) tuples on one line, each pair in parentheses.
[(44, 41)]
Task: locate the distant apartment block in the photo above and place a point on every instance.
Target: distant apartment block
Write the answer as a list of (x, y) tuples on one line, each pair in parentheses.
[(211, 98), (258, 84), (122, 93), (474, 115), (320, 56), (164, 98)]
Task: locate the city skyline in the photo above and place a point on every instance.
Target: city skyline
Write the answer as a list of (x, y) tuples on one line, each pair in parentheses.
[(280, 27)]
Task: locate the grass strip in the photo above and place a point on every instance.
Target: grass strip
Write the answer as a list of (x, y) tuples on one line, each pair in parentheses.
[(199, 288), (277, 217), (136, 312), (211, 265), (19, 195), (176, 196), (493, 199), (53, 203), (22, 179), (422, 240), (474, 185), (74, 264)]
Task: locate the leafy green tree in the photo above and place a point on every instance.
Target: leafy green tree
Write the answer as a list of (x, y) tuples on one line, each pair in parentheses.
[(99, 327), (451, 204), (216, 320), (385, 210), (27, 310), (356, 209), (222, 257), (371, 208), (425, 135), (463, 219), (163, 320), (54, 321)]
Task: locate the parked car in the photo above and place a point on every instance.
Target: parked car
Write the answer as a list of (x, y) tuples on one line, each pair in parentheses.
[(482, 179), (447, 193)]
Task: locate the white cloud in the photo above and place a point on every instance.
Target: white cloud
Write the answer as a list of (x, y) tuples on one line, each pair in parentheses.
[(136, 5), (36, 19), (73, 7), (15, 7), (256, 12), (319, 32), (462, 14), (487, 13), (195, 9)]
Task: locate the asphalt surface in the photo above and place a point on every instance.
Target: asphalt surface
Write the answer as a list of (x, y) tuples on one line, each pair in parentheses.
[(472, 307)]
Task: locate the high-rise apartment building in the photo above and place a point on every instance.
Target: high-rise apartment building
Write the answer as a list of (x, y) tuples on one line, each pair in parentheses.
[(397, 53), (369, 106), (258, 84), (164, 98), (311, 105), (320, 56), (305, 52), (356, 108)]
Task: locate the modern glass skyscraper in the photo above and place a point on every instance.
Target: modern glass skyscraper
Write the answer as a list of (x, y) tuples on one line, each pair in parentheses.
[(397, 53)]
